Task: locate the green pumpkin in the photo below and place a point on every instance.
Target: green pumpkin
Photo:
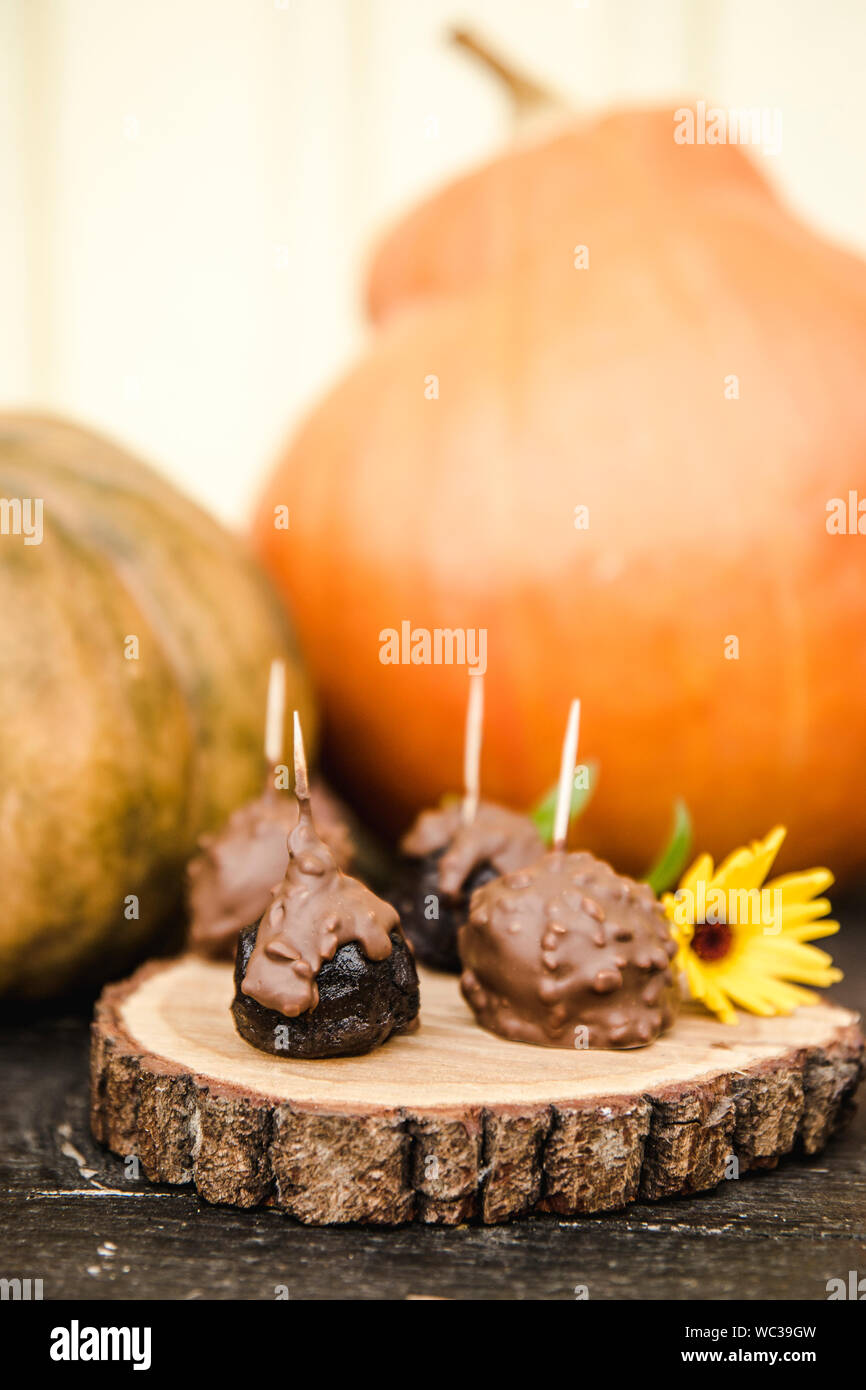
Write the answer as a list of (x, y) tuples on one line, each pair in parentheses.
[(135, 642)]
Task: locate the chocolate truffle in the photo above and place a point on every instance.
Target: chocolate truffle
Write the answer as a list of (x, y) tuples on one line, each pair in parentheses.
[(326, 972), (231, 879), (569, 953), (446, 859)]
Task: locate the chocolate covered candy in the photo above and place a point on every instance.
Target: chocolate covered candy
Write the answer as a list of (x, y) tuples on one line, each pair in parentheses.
[(569, 953), (446, 858), (326, 972), (231, 879)]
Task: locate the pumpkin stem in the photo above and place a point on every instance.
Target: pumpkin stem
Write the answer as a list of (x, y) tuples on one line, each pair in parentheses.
[(528, 96)]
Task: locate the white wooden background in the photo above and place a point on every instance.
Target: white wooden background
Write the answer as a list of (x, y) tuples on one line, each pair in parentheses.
[(189, 188)]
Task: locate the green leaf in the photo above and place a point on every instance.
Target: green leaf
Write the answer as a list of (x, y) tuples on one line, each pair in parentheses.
[(675, 855), (544, 812)]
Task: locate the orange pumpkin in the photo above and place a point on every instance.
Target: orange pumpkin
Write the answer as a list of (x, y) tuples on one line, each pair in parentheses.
[(698, 389)]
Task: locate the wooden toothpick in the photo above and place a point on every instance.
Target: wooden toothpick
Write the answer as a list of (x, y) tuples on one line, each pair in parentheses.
[(276, 713), (302, 785), (472, 748), (566, 777)]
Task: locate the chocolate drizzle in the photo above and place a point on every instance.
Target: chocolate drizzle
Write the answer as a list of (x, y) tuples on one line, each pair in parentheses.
[(496, 836), (315, 910), (231, 880), (567, 945)]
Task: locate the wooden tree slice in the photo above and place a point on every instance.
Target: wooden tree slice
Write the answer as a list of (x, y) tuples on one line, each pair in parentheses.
[(452, 1123)]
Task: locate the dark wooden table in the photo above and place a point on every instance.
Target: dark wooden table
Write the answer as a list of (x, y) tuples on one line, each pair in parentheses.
[(72, 1217)]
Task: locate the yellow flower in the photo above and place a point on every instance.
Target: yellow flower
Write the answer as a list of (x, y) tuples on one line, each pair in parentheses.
[(743, 941)]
